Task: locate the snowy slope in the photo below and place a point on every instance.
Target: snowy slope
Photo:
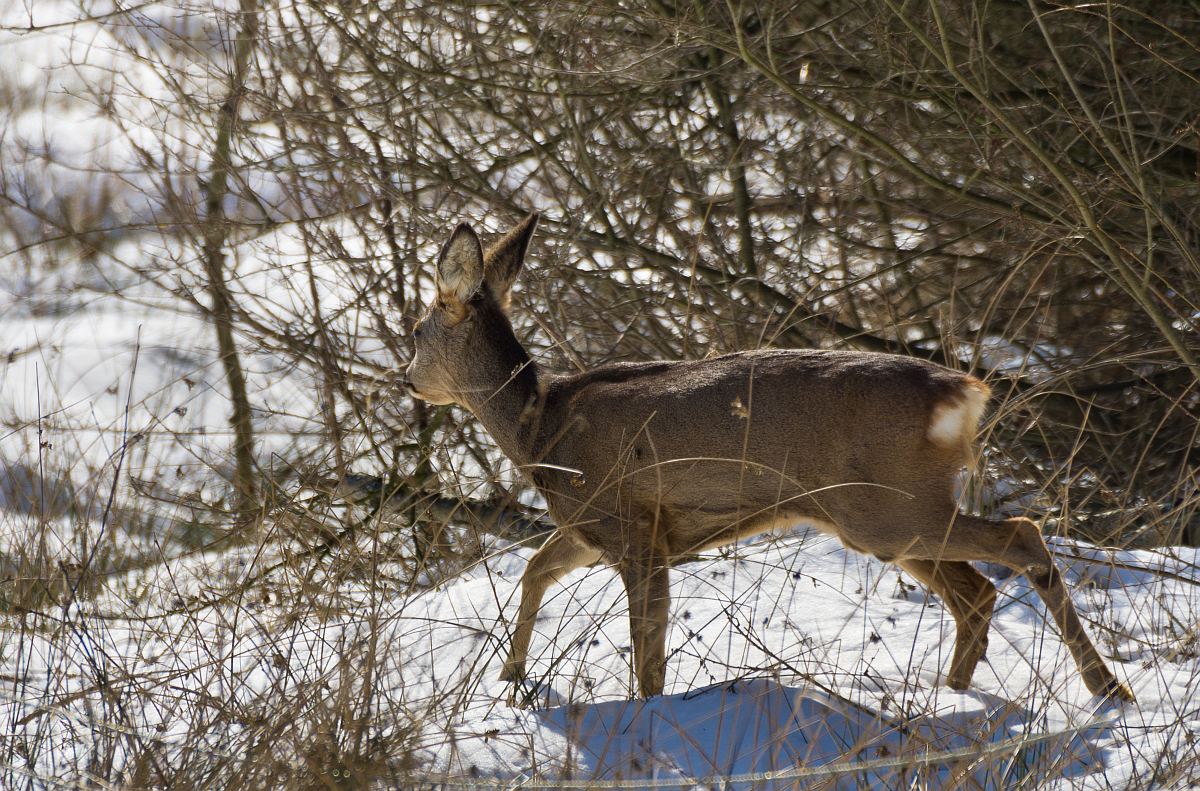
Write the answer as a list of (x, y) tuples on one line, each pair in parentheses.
[(787, 655)]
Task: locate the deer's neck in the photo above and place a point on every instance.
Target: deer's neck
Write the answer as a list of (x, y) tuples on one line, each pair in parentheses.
[(510, 410)]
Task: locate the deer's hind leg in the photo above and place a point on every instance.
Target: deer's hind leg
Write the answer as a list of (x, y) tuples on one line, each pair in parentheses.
[(558, 557), (970, 597), (1018, 544)]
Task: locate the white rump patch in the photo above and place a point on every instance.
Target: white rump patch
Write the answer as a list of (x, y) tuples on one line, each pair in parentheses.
[(954, 422)]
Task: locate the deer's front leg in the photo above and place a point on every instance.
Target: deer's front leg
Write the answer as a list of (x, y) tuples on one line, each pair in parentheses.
[(645, 571), (558, 557)]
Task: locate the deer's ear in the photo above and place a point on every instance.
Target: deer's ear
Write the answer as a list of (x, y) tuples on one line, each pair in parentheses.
[(460, 266), (505, 258)]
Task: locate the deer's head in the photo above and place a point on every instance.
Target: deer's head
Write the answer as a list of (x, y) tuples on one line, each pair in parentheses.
[(465, 348)]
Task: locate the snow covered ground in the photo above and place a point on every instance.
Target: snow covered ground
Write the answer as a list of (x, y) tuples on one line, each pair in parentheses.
[(786, 656)]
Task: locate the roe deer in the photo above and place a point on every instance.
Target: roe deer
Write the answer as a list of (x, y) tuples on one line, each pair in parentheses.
[(643, 462)]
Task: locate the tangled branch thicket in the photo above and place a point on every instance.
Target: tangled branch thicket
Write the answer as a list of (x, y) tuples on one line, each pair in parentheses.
[(1009, 187)]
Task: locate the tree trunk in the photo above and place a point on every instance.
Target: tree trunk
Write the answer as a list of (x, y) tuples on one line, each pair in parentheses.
[(216, 231)]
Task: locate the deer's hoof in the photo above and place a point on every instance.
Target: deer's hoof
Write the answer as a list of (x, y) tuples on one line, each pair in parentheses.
[(513, 672), (1117, 690)]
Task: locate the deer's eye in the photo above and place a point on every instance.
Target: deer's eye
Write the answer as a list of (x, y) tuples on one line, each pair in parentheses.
[(416, 333)]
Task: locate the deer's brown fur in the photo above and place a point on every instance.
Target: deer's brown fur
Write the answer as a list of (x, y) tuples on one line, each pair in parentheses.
[(641, 462)]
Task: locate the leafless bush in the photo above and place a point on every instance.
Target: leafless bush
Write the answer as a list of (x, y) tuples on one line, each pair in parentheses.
[(1008, 188)]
